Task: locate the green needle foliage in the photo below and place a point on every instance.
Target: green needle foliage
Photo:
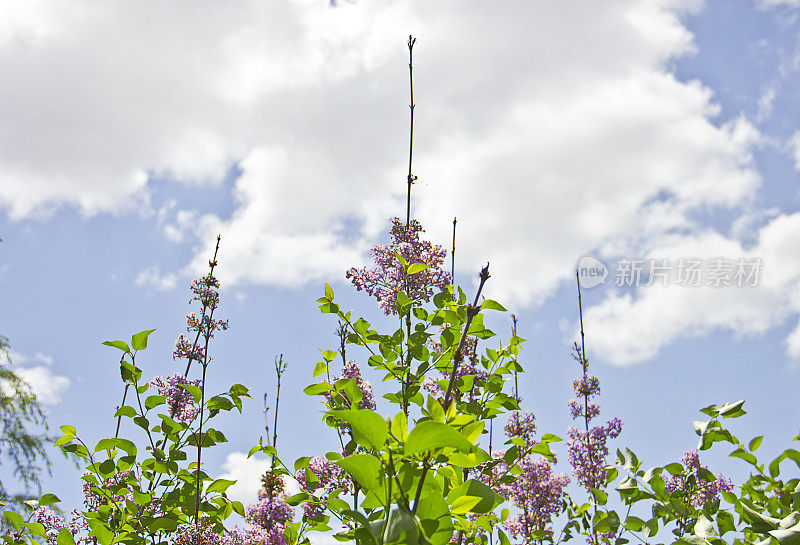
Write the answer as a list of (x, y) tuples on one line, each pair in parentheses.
[(22, 444)]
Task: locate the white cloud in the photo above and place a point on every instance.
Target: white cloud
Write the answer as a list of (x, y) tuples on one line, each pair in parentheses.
[(153, 278), (47, 386), (777, 3), (626, 329), (765, 103), (247, 473), (794, 148), (551, 131)]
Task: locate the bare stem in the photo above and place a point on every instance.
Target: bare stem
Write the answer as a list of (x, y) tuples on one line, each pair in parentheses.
[(410, 178), (453, 257), (458, 356)]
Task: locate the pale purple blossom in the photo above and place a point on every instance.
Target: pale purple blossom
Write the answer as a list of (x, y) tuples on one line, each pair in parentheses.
[(522, 424), (588, 450), (697, 491), (267, 514), (179, 401), (194, 534), (329, 476), (186, 349), (351, 370), (386, 280)]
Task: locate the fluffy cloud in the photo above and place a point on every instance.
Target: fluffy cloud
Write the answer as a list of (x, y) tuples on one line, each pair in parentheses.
[(631, 328), (247, 473), (794, 148), (153, 278), (550, 131), (46, 385)]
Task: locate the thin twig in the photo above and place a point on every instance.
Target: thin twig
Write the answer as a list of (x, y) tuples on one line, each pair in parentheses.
[(458, 356), (410, 178), (453, 258)]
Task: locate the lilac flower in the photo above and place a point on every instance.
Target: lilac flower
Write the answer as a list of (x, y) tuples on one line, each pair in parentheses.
[(329, 476), (386, 281), (537, 492), (351, 370), (92, 499), (522, 424), (52, 522), (185, 349), (194, 534), (697, 491), (268, 514), (255, 535), (180, 402), (588, 450)]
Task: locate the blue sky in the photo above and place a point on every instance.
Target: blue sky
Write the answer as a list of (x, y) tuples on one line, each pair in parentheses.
[(132, 134)]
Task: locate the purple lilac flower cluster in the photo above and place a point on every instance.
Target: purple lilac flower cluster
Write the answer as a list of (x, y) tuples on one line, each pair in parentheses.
[(329, 476), (587, 449), (205, 290), (185, 349), (386, 281), (698, 492), (537, 491), (267, 518), (196, 534), (180, 402), (522, 424), (53, 522), (351, 370)]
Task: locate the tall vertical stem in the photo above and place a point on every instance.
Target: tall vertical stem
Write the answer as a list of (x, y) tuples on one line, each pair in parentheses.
[(585, 365), (410, 178)]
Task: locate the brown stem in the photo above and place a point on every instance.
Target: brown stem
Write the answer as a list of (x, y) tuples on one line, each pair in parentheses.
[(410, 178), (458, 356), (453, 258)]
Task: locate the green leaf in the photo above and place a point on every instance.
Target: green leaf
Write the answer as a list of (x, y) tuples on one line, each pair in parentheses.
[(139, 340), (163, 524), (599, 496), (48, 499), (220, 485), (404, 303), (489, 304), (154, 401), (703, 527), (725, 522), (116, 442), (126, 410), (732, 410), (415, 268), (15, 519), (744, 455), (365, 468), (429, 435), (197, 394), (65, 537), (319, 368), (328, 292), (473, 488), (369, 428), (317, 389), (755, 442), (120, 345), (634, 524)]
